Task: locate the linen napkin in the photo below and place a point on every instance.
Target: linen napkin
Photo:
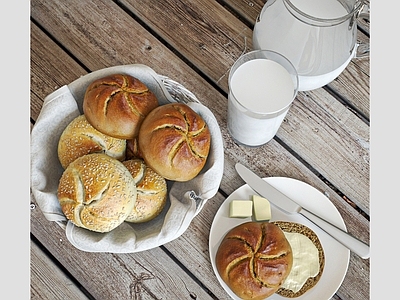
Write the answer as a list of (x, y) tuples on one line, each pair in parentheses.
[(185, 199)]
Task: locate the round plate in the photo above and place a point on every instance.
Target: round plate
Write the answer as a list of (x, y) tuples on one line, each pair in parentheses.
[(336, 255)]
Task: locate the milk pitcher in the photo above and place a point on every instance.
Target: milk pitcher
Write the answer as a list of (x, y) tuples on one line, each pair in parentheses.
[(319, 37)]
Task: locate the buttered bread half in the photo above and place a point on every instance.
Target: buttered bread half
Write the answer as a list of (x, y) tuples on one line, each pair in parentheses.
[(308, 259)]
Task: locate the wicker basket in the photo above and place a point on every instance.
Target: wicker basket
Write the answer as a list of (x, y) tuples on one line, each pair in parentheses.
[(178, 92)]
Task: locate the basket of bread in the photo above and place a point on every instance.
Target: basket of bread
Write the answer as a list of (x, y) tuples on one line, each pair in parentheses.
[(124, 159)]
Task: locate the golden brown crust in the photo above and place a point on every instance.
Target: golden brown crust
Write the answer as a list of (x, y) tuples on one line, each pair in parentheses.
[(312, 281), (175, 141), (117, 105), (96, 192), (151, 192), (80, 138), (253, 259)]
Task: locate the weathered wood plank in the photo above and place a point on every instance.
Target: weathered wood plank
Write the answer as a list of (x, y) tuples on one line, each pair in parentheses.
[(46, 77), (357, 95), (308, 116), (206, 34), (48, 281)]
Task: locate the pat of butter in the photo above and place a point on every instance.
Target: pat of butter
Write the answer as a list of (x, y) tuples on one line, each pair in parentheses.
[(240, 209), (262, 208), (305, 261)]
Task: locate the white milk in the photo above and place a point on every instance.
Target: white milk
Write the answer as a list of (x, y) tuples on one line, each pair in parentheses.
[(308, 83), (260, 93), (319, 54), (323, 9)]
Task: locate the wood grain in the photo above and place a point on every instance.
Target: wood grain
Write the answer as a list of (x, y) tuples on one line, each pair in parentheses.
[(48, 282)]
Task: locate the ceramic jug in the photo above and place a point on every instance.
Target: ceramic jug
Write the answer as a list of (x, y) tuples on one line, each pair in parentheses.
[(319, 37)]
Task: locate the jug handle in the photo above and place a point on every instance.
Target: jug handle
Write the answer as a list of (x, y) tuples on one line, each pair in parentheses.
[(363, 48)]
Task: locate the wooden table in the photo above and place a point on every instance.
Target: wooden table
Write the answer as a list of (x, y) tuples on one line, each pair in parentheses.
[(324, 140)]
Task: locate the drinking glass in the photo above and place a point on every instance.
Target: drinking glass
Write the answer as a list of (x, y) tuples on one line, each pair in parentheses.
[(262, 86)]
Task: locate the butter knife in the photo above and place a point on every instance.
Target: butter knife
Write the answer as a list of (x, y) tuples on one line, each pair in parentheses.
[(286, 204)]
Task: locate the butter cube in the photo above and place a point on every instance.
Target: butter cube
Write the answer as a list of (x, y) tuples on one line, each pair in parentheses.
[(262, 208), (240, 209)]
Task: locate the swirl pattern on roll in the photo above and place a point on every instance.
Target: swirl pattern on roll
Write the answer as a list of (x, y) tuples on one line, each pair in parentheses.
[(254, 259)]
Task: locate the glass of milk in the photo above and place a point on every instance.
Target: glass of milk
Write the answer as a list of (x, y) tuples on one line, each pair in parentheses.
[(262, 86)]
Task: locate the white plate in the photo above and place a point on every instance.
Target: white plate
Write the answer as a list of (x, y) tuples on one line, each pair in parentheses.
[(336, 255)]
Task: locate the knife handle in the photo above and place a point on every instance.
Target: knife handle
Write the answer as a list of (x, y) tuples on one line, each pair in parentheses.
[(340, 235)]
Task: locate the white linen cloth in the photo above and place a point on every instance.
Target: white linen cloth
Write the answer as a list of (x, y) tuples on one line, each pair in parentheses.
[(185, 199)]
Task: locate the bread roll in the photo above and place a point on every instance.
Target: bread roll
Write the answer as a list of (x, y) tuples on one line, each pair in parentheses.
[(80, 138), (96, 192), (175, 141), (254, 259), (151, 192), (117, 104)]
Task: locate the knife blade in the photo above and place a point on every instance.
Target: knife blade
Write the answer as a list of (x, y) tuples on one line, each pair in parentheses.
[(283, 202)]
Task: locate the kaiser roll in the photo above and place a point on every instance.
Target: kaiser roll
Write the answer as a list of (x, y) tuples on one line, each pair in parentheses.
[(117, 104), (96, 192), (80, 138), (175, 141), (254, 259), (151, 192)]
